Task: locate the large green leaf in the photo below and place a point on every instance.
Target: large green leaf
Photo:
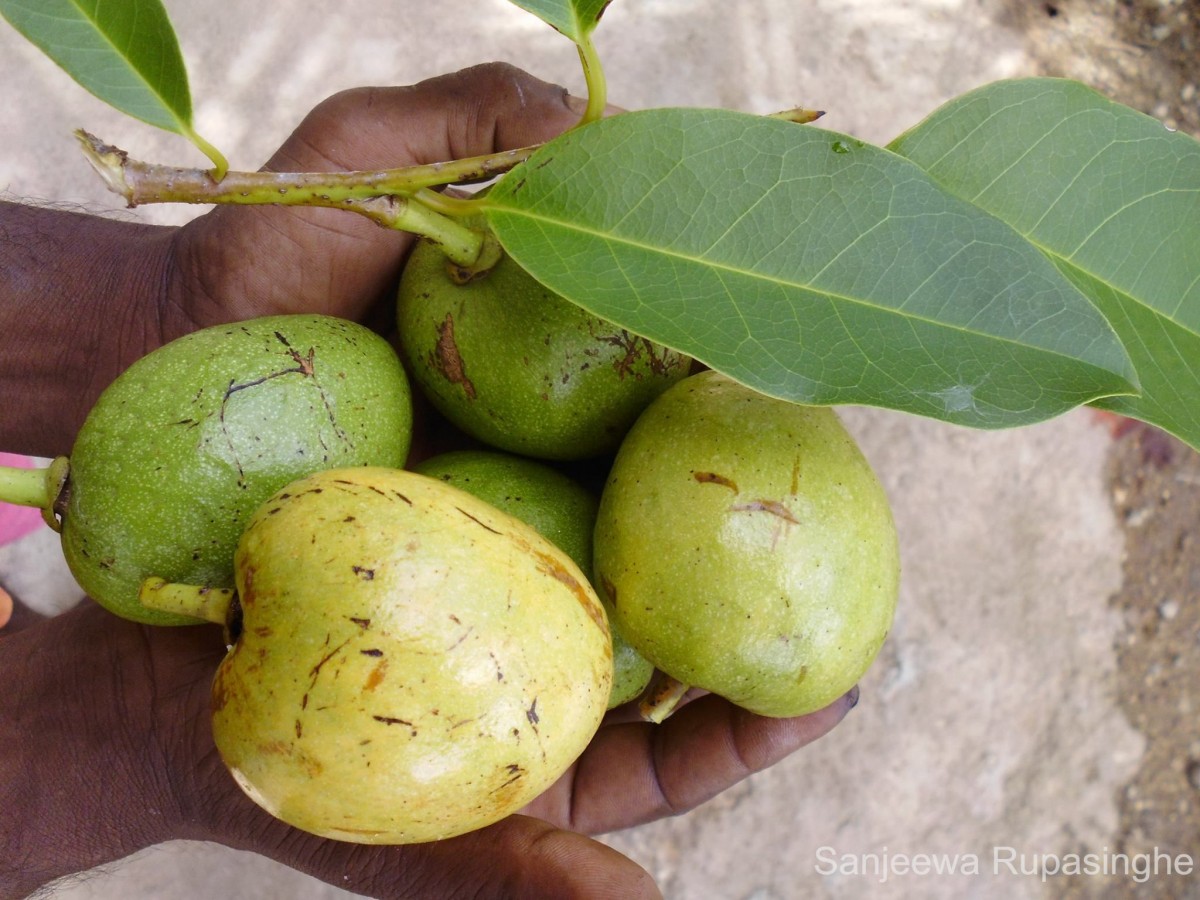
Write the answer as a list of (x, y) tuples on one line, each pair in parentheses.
[(807, 265), (124, 52), (574, 18), (1111, 196)]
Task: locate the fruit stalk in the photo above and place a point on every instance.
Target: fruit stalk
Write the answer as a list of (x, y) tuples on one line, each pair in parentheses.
[(198, 601), (25, 487), (662, 698), (44, 488)]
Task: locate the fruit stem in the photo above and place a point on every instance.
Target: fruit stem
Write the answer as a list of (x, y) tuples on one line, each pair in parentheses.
[(662, 698), (25, 487), (198, 601), (45, 488)]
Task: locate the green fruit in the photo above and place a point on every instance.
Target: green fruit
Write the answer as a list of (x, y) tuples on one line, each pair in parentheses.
[(746, 547), (519, 367), (184, 445), (562, 510), (412, 663)]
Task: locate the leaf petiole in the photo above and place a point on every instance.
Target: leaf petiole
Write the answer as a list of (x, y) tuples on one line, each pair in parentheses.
[(593, 74)]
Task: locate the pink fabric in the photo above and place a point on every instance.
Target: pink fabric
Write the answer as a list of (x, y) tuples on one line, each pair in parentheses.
[(17, 521)]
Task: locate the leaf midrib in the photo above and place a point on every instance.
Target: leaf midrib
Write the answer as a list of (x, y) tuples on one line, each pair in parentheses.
[(861, 302)]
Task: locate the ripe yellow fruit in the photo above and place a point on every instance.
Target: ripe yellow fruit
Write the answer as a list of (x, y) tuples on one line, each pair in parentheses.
[(412, 663)]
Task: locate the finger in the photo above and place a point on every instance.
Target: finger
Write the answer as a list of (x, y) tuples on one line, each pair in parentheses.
[(15, 615), (239, 262), (636, 772), (517, 857)]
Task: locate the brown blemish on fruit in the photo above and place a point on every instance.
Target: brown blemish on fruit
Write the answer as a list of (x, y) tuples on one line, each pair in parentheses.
[(220, 691), (364, 573), (714, 478), (773, 507), (610, 589), (476, 521), (315, 671), (448, 361), (374, 651), (305, 367), (377, 675), (361, 623), (635, 350), (556, 570), (393, 720), (796, 476)]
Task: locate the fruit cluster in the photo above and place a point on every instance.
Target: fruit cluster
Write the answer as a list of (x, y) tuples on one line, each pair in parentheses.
[(434, 632)]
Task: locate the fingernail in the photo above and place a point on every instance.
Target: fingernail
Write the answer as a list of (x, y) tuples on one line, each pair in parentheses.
[(575, 104), (851, 698)]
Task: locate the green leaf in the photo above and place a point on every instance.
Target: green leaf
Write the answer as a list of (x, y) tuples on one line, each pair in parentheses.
[(807, 265), (125, 53), (1107, 193), (574, 18)]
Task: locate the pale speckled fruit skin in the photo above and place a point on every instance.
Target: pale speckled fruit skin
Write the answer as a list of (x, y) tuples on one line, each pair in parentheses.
[(182, 447), (561, 509), (519, 367), (747, 547), (413, 663)]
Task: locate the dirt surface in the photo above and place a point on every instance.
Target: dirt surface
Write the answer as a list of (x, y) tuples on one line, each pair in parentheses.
[(1146, 54), (1155, 483)]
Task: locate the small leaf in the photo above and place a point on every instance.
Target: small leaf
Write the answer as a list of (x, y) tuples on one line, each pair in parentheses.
[(1111, 196), (807, 265), (125, 53), (574, 18)]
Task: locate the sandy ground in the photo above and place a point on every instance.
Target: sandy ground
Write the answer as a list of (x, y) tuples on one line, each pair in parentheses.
[(1035, 696)]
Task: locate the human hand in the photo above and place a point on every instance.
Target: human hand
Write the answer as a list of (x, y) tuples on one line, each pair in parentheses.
[(82, 297), (121, 755), (112, 720)]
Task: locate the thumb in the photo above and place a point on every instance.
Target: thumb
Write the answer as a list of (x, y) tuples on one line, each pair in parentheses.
[(237, 263)]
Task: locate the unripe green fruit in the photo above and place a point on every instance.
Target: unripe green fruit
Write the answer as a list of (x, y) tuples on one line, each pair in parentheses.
[(562, 511), (412, 663), (182, 447), (746, 547), (519, 367)]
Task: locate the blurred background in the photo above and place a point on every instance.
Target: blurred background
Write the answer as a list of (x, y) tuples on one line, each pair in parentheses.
[(1037, 693)]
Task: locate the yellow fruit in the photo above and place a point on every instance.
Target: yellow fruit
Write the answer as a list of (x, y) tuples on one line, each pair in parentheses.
[(412, 663), (562, 510)]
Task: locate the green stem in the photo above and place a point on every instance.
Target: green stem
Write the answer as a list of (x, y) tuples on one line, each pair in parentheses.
[(597, 85), (141, 182), (207, 603), (25, 487), (375, 195), (220, 163)]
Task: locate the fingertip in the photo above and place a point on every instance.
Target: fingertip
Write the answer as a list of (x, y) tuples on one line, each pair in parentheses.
[(6, 607), (588, 869)]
